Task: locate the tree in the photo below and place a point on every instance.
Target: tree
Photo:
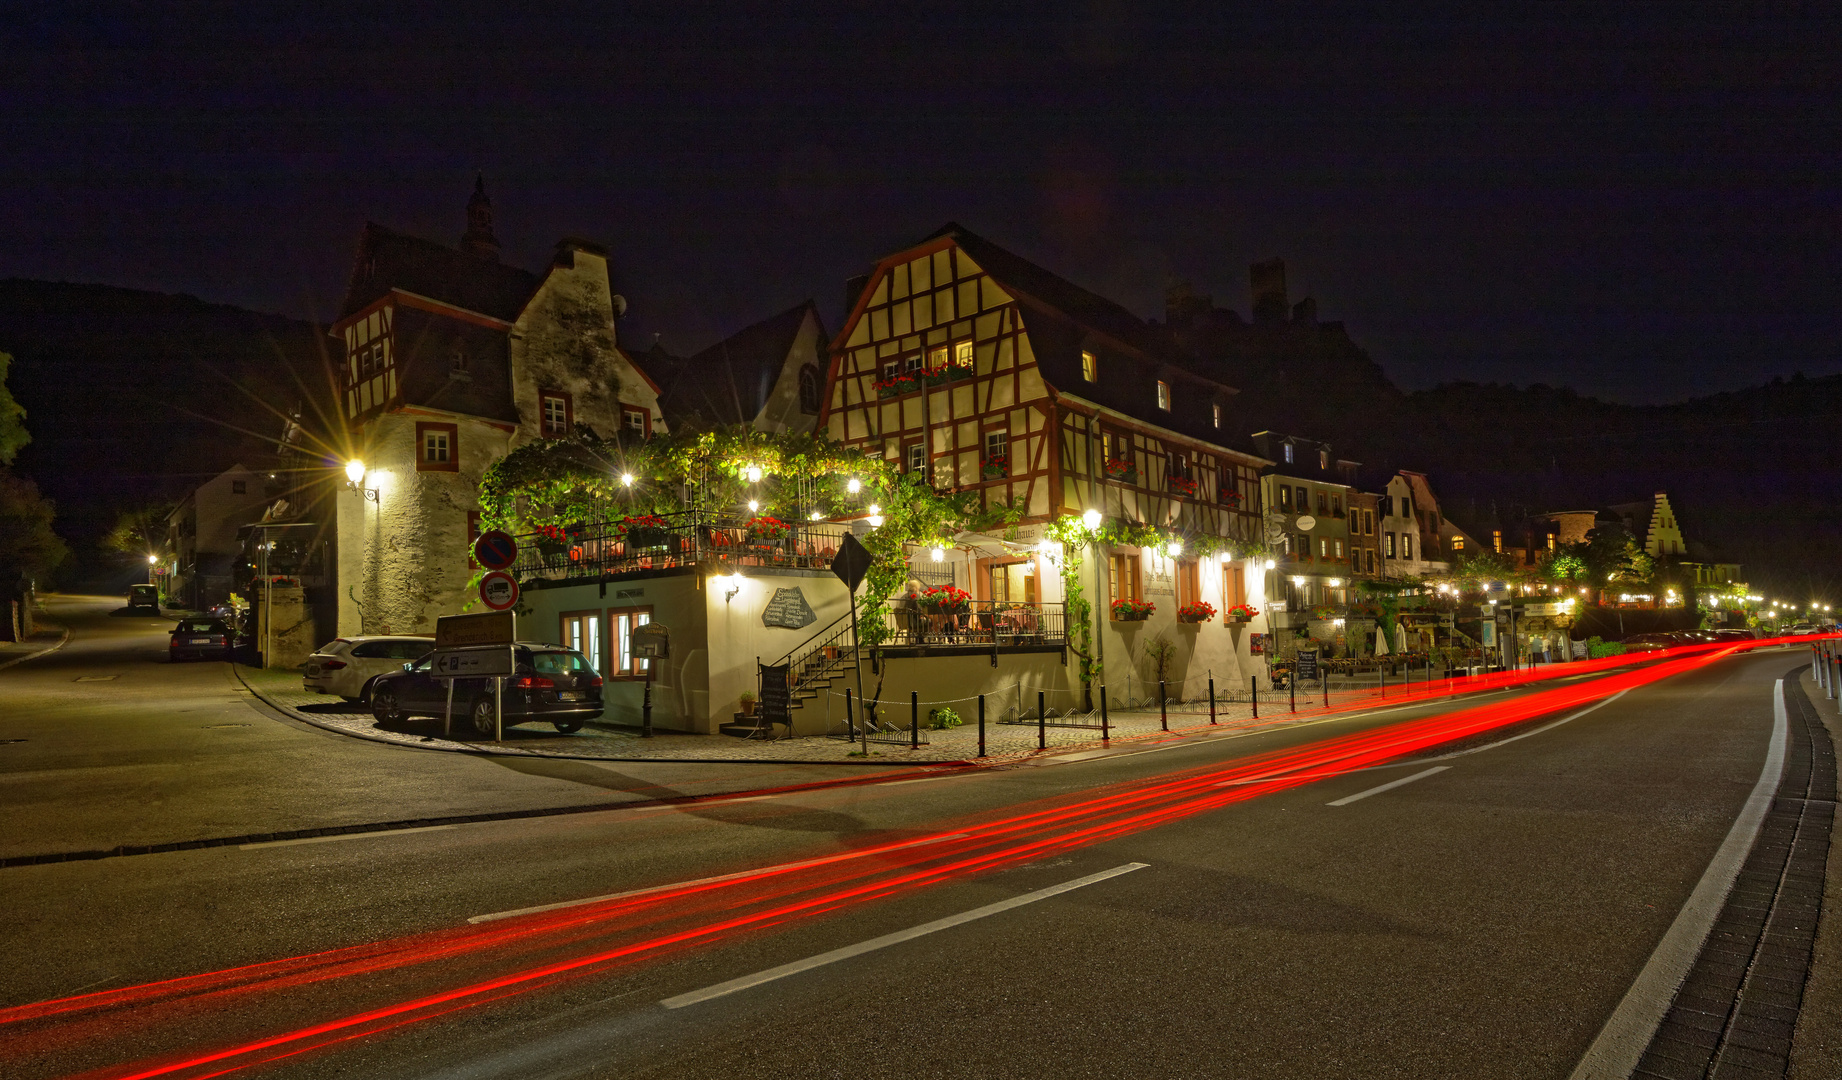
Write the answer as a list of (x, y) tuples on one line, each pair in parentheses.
[(140, 531), (13, 434), (28, 546)]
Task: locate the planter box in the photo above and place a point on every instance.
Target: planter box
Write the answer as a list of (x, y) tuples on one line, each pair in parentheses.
[(1194, 618), (1237, 620), (551, 547), (1139, 616)]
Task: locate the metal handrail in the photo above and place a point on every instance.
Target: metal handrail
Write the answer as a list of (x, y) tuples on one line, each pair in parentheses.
[(685, 539)]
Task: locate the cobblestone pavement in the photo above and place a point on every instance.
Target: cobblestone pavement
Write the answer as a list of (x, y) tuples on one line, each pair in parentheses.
[(282, 690)]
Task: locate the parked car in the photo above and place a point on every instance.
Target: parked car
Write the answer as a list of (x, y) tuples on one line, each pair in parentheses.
[(549, 682), (144, 597), (1650, 642), (347, 666), (1802, 629), (200, 638), (1732, 635)]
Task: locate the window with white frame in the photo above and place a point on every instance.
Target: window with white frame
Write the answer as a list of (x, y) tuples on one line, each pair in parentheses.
[(1163, 395), (1090, 366)]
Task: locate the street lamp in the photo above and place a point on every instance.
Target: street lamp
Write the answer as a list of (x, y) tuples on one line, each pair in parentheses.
[(626, 479), (355, 480), (1091, 519)]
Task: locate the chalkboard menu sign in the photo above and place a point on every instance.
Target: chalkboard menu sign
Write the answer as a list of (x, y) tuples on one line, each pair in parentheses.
[(776, 702), (1307, 663), (788, 609)]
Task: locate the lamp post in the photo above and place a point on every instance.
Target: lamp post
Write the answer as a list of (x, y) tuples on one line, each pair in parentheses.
[(151, 561)]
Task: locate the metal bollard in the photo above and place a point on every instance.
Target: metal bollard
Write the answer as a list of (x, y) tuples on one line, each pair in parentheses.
[(1163, 720), (1211, 701), (1042, 725), (1324, 682), (850, 715), (914, 719), (1292, 687), (981, 725), (1253, 693), (1105, 733)]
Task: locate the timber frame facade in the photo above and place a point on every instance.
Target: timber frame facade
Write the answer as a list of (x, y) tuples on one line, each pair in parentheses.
[(991, 374)]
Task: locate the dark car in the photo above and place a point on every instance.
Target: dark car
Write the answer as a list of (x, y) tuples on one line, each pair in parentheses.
[(144, 597), (1732, 635), (1650, 642), (200, 638), (548, 683)]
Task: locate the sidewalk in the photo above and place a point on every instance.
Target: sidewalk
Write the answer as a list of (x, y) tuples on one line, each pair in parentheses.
[(44, 640), (281, 689)]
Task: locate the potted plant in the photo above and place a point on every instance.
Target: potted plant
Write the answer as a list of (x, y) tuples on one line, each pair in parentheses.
[(936, 376), (765, 529), (1184, 486), (1199, 612), (831, 652), (945, 600), (1238, 614), (1132, 610), (550, 539), (1123, 471), (995, 467), (1229, 497), (748, 703)]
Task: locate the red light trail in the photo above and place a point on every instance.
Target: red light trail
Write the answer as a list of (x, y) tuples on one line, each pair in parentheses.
[(484, 963)]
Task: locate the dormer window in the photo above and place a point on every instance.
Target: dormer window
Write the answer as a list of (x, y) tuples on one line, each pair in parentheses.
[(1163, 395), (554, 408), (1288, 453), (1215, 414), (1324, 460), (1090, 366)]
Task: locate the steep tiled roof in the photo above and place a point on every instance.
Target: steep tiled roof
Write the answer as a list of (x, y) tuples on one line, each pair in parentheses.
[(393, 260), (729, 382)]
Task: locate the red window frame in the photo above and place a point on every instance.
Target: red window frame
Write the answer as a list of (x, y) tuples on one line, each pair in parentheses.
[(640, 411), (423, 464)]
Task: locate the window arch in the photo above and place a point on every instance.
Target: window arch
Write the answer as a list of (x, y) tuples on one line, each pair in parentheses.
[(809, 389)]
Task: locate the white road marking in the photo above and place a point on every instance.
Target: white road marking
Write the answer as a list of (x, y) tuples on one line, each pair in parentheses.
[(1545, 727), (1628, 1032), (783, 867), (724, 989), (1389, 786), (341, 836)]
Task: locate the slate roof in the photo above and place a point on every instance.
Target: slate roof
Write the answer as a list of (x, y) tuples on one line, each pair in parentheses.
[(1063, 319), (392, 260), (729, 382)]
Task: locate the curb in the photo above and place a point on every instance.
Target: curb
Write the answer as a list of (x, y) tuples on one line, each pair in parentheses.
[(34, 656), (493, 751)]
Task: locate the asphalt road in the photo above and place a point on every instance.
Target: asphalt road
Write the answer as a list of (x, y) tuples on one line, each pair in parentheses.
[(1482, 920)]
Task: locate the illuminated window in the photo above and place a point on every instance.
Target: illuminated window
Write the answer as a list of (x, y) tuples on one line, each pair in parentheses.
[(1163, 395), (1090, 367), (582, 632), (622, 623), (962, 355), (1323, 459), (1496, 540), (1215, 413), (937, 359), (1458, 543), (1288, 453), (1285, 499), (1390, 545)]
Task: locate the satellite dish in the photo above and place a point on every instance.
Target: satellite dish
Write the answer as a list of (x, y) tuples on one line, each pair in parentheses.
[(1306, 523), (619, 303)]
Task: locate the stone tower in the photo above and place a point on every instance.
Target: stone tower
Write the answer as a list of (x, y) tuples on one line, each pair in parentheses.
[(478, 239)]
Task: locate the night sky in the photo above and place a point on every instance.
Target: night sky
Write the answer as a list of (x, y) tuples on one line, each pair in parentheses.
[(1636, 200)]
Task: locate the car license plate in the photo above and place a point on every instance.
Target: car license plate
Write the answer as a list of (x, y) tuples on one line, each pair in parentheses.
[(201, 641), (313, 669), (570, 695)]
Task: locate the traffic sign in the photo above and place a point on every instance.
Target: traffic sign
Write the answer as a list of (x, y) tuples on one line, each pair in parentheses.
[(851, 563), (498, 591), (480, 628), (495, 549)]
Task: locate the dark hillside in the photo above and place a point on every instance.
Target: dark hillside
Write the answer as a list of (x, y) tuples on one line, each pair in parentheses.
[(133, 397)]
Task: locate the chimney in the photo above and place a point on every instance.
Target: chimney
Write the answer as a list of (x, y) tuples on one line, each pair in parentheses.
[(853, 288), (1305, 312), (1184, 306), (1269, 288)]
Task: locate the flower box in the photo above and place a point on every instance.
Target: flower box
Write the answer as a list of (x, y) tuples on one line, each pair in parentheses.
[(1229, 498), (1238, 614), (1199, 612), (1184, 486), (1132, 610), (1123, 471), (936, 376), (896, 385), (765, 528), (995, 467), (944, 600)]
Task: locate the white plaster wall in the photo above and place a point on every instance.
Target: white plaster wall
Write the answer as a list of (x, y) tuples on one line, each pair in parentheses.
[(782, 412), (403, 559), (1204, 650), (565, 340)]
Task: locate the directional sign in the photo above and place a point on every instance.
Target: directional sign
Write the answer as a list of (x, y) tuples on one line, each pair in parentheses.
[(480, 628), (472, 663), (851, 563), (495, 549), (498, 591)]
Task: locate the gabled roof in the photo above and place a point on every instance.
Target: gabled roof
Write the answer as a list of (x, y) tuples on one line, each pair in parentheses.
[(729, 382), (392, 260), (1038, 288)]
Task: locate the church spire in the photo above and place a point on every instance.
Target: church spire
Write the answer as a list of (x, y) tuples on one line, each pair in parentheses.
[(478, 239)]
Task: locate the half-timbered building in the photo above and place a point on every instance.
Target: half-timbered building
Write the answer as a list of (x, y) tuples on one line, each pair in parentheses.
[(987, 373)]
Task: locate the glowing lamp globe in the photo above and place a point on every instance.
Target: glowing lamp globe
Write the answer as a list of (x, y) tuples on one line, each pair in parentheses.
[(354, 470)]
